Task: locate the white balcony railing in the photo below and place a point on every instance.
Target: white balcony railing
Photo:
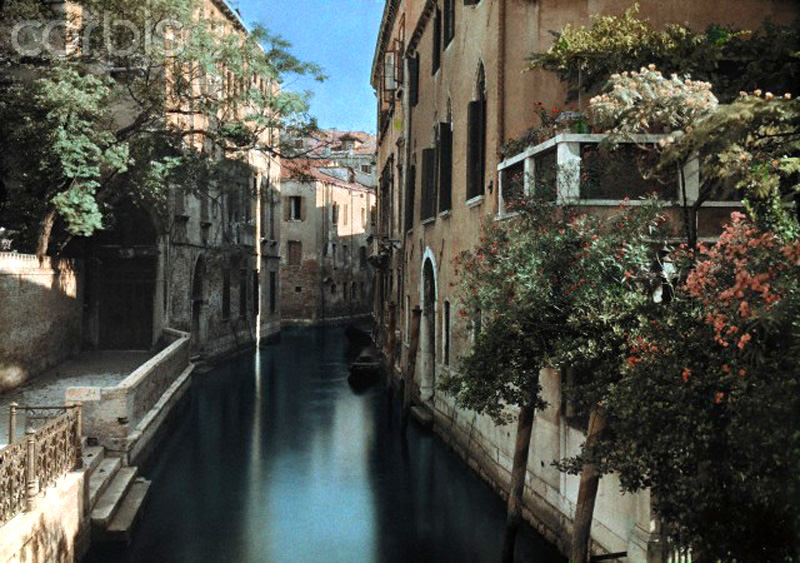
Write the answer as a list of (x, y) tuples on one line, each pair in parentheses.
[(573, 168)]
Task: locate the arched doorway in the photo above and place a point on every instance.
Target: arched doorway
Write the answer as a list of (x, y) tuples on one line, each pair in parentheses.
[(428, 329), (197, 298), (121, 284)]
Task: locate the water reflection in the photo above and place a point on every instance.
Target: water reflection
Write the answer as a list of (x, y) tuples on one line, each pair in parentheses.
[(278, 460)]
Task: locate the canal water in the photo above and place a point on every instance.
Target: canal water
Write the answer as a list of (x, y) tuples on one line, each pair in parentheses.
[(278, 459)]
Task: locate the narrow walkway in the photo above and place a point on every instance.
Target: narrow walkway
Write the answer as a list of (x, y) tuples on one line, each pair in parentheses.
[(100, 368)]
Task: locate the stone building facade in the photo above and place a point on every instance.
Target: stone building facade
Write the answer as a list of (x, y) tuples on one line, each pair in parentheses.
[(207, 263), (451, 87), (326, 225)]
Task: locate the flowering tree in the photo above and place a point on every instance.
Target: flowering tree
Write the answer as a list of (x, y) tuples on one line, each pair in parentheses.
[(706, 410), (513, 288), (750, 147), (531, 281)]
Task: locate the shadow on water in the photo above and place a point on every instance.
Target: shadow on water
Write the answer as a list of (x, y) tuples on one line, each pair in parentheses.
[(277, 459)]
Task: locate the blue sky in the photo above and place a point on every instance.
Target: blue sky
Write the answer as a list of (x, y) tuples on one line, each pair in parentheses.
[(340, 36)]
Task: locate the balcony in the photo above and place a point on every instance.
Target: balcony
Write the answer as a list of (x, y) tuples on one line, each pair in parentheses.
[(575, 169)]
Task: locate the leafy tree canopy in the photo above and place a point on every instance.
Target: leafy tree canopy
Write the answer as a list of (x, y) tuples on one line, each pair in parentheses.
[(114, 114), (731, 59)]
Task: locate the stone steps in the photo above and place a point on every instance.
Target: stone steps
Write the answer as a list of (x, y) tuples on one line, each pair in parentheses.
[(101, 478), (92, 456), (121, 528), (116, 496), (108, 504)]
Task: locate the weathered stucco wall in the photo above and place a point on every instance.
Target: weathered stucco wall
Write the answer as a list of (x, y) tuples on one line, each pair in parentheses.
[(330, 282), (621, 521), (40, 315), (55, 531)]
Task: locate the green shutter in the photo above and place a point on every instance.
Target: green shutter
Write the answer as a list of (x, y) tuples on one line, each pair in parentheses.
[(445, 166)]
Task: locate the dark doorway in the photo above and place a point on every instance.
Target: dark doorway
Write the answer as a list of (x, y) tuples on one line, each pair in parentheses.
[(123, 276), (429, 328), (126, 304), (198, 283)]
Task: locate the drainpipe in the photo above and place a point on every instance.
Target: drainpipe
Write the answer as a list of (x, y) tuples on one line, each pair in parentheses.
[(501, 78)]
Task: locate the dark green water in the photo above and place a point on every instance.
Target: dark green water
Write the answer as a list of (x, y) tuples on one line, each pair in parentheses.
[(277, 459)]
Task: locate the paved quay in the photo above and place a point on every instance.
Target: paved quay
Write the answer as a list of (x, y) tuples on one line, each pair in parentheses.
[(96, 368)]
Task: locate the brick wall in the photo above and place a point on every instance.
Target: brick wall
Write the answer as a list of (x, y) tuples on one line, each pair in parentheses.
[(40, 315)]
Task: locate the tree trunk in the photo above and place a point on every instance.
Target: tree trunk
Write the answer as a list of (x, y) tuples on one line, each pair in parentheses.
[(408, 374), (587, 494), (45, 230), (518, 471)]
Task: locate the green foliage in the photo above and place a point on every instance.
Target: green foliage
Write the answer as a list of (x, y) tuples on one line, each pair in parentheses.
[(706, 408), (81, 136), (730, 59), (648, 102), (60, 146), (545, 284), (750, 146)]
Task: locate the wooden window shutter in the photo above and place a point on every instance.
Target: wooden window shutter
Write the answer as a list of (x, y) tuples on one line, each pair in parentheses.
[(302, 209), (473, 147), (445, 166), (471, 2), (437, 41), (482, 150), (411, 186), (413, 79), (428, 183), (287, 208)]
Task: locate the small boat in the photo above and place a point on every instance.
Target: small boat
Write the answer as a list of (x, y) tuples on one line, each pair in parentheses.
[(365, 370)]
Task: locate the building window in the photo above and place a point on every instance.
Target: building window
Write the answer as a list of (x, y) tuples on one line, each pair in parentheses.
[(333, 289), (411, 186), (242, 294), (295, 252), (295, 208), (446, 333), (335, 214), (449, 21), (476, 139), (226, 295), (436, 61), (362, 257), (298, 289), (366, 168), (273, 292), (428, 208), (413, 80), (363, 216), (346, 213), (445, 159)]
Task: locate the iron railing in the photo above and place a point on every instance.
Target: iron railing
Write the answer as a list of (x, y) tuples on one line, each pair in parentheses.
[(50, 449)]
